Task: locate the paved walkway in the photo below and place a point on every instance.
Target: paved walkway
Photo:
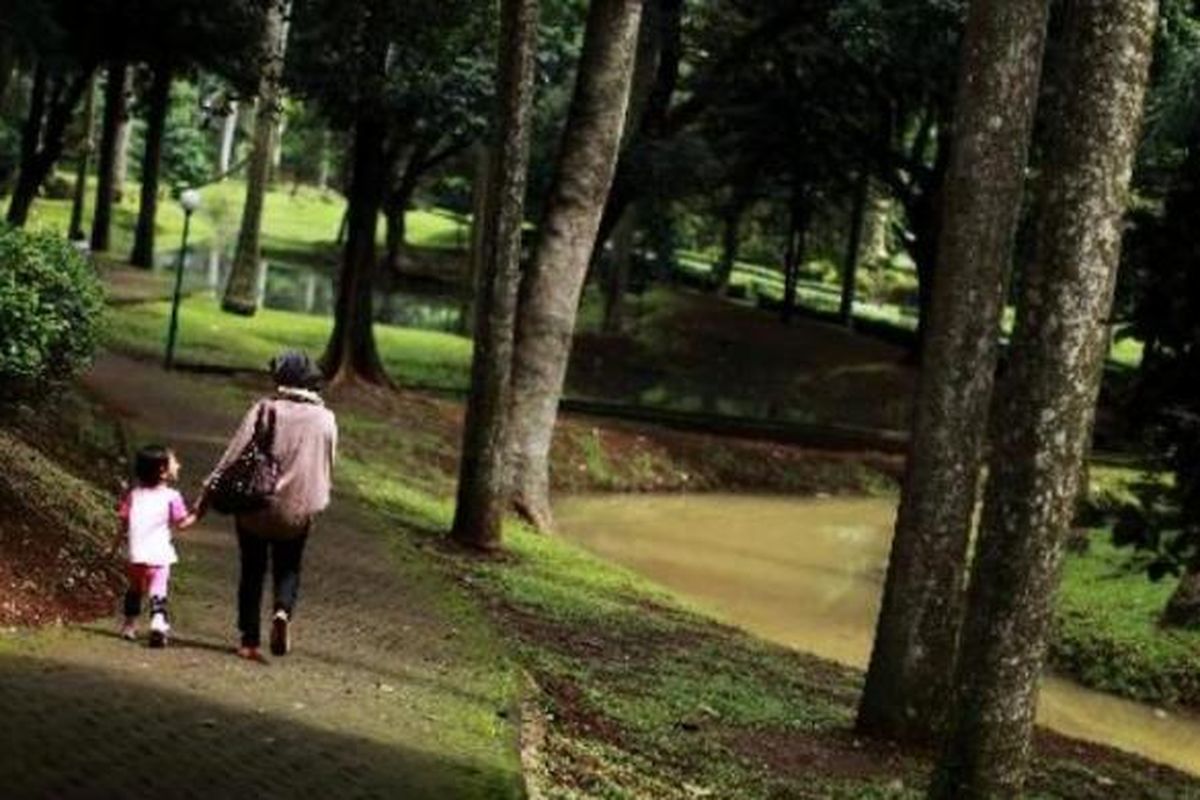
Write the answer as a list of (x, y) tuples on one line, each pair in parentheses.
[(392, 691)]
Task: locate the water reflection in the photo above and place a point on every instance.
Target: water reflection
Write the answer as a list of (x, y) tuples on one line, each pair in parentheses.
[(294, 287)]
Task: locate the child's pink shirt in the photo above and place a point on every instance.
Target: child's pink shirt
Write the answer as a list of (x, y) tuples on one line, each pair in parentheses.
[(150, 513)]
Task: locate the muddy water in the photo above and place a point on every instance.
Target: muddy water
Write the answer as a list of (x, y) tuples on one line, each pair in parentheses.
[(807, 573)]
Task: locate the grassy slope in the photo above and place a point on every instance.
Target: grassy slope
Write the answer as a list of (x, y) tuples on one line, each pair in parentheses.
[(58, 468), (1108, 636), (642, 697)]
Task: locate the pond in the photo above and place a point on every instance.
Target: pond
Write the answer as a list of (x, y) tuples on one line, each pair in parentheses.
[(309, 290), (807, 573)]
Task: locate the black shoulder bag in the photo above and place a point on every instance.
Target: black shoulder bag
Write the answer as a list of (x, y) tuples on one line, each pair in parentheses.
[(249, 482)]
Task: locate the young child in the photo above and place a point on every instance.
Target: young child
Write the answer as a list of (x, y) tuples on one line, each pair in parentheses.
[(148, 513)]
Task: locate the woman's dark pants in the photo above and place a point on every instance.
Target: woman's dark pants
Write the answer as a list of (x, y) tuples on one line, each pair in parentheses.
[(285, 556)]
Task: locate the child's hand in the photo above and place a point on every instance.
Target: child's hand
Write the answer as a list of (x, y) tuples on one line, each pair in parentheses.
[(200, 506), (187, 521)]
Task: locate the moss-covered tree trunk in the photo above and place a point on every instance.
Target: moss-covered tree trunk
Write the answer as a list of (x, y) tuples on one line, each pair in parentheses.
[(1047, 401), (483, 475), (158, 102), (83, 157), (912, 659), (114, 116), (351, 354), (551, 289), (241, 289)]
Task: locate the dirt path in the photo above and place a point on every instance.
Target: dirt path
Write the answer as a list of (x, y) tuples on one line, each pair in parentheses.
[(394, 689)]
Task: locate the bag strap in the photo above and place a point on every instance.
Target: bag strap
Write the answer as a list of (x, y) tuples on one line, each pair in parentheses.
[(269, 435), (264, 426)]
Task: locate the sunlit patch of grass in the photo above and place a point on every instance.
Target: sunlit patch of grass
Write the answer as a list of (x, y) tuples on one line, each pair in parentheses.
[(209, 336)]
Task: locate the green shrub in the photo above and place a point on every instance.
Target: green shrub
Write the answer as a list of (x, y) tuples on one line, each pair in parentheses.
[(50, 310)]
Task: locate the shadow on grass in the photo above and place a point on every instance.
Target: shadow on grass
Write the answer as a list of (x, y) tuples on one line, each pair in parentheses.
[(67, 732)]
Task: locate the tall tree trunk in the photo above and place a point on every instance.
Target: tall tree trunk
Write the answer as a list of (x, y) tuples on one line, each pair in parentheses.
[(114, 115), (482, 476), (31, 135), (794, 257), (158, 103), (926, 215), (44, 136), (731, 224), (8, 63), (551, 289), (473, 263), (228, 138), (396, 207), (1183, 609), (395, 233), (124, 136), (351, 354), (241, 295), (656, 75), (912, 661), (616, 283), (87, 144), (858, 210), (323, 162), (1047, 401)]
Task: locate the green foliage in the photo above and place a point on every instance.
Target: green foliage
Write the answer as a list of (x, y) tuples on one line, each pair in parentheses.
[(187, 156), (50, 307), (1163, 275)]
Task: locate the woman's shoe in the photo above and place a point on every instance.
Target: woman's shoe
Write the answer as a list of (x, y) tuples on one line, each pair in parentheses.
[(251, 654)]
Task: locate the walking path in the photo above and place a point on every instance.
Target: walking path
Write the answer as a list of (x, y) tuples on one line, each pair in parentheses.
[(394, 689)]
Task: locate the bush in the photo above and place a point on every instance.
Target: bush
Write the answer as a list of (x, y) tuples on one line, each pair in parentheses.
[(50, 307)]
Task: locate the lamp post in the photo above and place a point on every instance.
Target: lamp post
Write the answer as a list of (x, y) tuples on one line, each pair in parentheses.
[(189, 201)]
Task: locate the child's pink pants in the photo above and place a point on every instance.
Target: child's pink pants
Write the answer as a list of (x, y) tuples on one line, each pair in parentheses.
[(149, 579)]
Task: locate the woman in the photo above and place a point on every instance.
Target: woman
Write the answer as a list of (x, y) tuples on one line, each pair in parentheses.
[(305, 443)]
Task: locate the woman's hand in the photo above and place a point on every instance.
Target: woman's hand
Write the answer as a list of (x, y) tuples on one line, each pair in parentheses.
[(200, 506)]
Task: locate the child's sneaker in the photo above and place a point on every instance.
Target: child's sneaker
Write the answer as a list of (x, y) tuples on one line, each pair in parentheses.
[(129, 632), (159, 630), (280, 640)]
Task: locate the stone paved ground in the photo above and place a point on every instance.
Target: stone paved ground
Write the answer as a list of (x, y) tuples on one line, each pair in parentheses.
[(394, 688)]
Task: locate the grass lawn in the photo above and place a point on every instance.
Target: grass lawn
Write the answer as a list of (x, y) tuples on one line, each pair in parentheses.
[(757, 280), (297, 225), (207, 335), (1108, 633)]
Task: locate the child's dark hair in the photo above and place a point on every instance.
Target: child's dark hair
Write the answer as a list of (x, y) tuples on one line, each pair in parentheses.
[(150, 463)]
